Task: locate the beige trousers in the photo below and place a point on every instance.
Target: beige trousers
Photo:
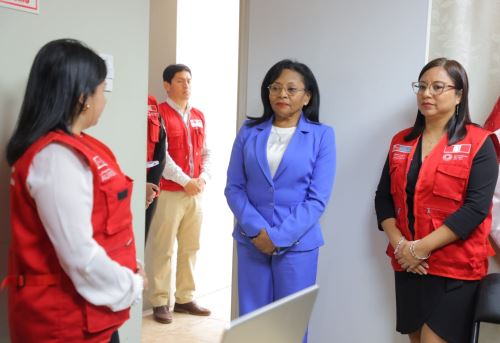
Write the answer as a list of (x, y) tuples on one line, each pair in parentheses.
[(178, 216)]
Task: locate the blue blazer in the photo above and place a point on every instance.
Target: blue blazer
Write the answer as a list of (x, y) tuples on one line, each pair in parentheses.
[(290, 204)]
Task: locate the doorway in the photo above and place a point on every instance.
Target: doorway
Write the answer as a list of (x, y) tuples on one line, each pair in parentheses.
[(207, 41), (206, 38)]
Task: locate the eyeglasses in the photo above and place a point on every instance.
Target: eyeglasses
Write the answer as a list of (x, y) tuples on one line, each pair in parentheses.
[(275, 89), (435, 88)]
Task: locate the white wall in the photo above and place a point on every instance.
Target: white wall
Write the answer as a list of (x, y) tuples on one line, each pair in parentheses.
[(162, 43), (469, 31), (364, 54), (108, 27)]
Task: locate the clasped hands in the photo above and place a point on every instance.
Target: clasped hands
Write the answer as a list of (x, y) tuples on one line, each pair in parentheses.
[(409, 262), (194, 186), (264, 243)]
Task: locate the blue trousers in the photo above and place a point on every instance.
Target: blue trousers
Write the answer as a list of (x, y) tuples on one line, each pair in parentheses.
[(263, 279)]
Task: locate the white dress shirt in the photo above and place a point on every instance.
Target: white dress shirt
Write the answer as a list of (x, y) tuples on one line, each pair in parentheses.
[(172, 171), (60, 182)]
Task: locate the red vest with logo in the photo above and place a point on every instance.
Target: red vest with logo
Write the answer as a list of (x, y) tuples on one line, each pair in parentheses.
[(181, 142), (440, 190), (44, 306), (154, 126)]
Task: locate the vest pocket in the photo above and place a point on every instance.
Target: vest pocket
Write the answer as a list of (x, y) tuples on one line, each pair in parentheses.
[(175, 140), (450, 181), (198, 138), (118, 205), (437, 216), (154, 129), (99, 318), (393, 172)]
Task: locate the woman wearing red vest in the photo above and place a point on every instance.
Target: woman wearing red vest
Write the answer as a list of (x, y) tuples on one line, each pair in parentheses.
[(433, 202), (72, 267)]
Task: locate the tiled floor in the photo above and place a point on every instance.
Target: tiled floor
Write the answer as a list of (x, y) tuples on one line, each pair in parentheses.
[(191, 329)]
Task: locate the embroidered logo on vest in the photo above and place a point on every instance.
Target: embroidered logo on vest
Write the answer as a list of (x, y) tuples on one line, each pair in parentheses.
[(401, 148), (458, 149), (99, 162), (456, 152), (196, 123)]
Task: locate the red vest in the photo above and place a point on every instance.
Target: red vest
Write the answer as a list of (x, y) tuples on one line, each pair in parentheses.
[(44, 306), (440, 191), (154, 126), (180, 143)]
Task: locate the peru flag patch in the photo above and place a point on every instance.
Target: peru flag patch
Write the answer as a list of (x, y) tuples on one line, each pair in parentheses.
[(401, 148), (457, 149)]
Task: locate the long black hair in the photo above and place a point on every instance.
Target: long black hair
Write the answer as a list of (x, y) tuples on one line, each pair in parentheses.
[(64, 74), (311, 111), (456, 126)]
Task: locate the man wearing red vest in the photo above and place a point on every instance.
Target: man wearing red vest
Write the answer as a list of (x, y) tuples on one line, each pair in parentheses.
[(155, 159), (179, 212)]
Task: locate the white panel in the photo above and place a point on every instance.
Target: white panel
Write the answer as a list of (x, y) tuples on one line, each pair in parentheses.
[(364, 54), (123, 122)]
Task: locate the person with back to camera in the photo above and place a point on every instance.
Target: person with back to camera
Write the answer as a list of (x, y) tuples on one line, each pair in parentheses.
[(156, 159), (433, 201), (279, 180), (72, 262)]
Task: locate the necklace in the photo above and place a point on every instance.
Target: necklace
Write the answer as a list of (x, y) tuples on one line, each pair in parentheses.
[(283, 135), (280, 137), (431, 140)]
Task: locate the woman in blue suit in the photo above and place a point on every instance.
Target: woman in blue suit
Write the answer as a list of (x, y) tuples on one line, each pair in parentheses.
[(279, 180)]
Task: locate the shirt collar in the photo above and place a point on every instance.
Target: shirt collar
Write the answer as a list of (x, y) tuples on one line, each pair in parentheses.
[(176, 107)]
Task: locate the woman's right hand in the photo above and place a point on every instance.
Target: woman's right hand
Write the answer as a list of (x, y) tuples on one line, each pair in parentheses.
[(264, 243)]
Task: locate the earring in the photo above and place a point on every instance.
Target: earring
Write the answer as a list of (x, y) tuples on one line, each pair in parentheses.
[(456, 110), (86, 107), (305, 104)]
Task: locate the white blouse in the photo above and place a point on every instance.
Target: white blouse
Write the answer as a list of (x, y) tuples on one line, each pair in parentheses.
[(60, 182), (276, 145)]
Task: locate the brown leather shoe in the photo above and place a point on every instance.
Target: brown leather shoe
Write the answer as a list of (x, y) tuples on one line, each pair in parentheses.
[(162, 315), (191, 308)]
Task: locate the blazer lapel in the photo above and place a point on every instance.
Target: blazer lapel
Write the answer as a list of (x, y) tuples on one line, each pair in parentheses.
[(294, 147), (264, 129)]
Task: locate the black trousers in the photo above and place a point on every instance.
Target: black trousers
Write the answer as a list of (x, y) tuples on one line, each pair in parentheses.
[(114, 337)]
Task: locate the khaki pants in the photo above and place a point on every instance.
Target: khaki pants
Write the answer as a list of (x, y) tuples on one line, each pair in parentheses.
[(178, 215)]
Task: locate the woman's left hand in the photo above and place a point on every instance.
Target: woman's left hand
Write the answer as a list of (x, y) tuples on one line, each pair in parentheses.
[(264, 243), (408, 262)]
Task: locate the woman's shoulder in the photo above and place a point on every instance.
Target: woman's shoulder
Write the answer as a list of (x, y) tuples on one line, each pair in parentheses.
[(476, 128), (403, 133), (251, 125), (321, 129)]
